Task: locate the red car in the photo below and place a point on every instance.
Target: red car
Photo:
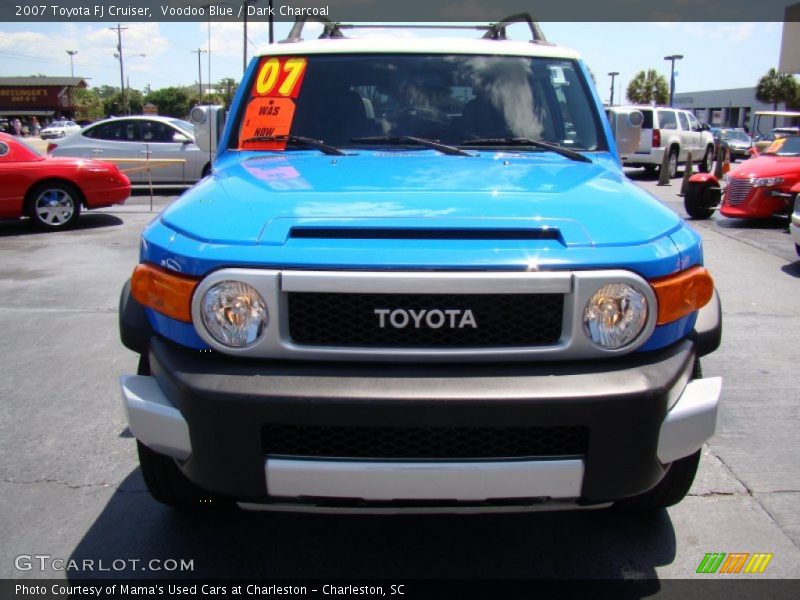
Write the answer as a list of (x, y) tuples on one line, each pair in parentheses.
[(761, 187), (51, 191)]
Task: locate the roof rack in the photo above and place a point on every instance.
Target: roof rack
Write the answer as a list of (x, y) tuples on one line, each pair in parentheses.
[(497, 31), (331, 29), (494, 31)]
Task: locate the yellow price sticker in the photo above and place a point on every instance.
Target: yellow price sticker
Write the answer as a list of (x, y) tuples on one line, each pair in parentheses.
[(280, 77)]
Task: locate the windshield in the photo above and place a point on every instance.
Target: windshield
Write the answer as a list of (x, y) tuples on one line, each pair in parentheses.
[(184, 126), (58, 124), (736, 135), (785, 146), (451, 99)]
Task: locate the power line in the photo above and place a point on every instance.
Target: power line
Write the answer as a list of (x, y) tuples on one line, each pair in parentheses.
[(29, 58)]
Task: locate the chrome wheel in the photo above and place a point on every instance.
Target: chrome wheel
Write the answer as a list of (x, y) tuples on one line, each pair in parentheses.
[(673, 164), (54, 206)]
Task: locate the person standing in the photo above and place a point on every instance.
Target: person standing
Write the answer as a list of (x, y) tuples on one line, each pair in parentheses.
[(35, 126), (17, 127)]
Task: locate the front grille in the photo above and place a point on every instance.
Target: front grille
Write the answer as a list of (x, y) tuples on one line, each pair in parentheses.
[(737, 191), (424, 443), (502, 320)]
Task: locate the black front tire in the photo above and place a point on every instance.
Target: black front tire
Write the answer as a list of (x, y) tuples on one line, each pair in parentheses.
[(167, 483), (670, 490), (674, 486), (54, 205), (695, 202)]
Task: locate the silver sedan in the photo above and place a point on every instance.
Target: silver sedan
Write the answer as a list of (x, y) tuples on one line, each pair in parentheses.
[(149, 148)]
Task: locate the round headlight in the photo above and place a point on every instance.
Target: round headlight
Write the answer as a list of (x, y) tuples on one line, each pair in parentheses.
[(615, 315), (234, 313)]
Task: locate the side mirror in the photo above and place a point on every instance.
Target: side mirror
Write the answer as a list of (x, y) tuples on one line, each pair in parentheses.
[(179, 138), (705, 127), (208, 122), (626, 125)]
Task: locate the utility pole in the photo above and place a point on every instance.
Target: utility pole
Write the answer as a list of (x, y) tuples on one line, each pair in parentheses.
[(612, 74), (199, 51), (209, 57), (119, 28), (245, 5), (71, 64), (271, 22)]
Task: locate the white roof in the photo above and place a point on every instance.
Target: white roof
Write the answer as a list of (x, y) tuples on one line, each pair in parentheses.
[(645, 107), (415, 45), (777, 113)]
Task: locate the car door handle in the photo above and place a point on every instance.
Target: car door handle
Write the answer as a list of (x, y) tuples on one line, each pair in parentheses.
[(97, 151)]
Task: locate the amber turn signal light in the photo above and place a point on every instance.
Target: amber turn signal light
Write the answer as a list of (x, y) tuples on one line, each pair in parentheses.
[(164, 291), (683, 293)]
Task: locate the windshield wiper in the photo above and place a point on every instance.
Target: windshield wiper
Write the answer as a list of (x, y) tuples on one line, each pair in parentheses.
[(410, 139), (298, 139), (528, 142)]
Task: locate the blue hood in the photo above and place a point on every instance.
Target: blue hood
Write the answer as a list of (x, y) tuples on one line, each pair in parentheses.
[(246, 200), (255, 201)]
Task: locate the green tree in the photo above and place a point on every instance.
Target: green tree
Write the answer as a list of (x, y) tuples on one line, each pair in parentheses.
[(777, 87), (106, 91), (227, 87), (171, 101), (648, 87), (88, 103), (113, 105)]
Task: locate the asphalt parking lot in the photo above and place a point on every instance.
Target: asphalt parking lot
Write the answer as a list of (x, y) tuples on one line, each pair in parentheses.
[(70, 485)]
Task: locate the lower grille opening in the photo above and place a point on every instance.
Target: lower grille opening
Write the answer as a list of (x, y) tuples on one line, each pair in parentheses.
[(424, 443)]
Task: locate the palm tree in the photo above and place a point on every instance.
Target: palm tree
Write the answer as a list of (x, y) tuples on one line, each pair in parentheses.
[(648, 87), (777, 87)]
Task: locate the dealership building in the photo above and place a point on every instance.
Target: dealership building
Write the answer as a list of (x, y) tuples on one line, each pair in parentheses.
[(41, 97), (726, 108)]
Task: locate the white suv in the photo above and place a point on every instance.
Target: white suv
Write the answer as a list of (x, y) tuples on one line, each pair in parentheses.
[(677, 132)]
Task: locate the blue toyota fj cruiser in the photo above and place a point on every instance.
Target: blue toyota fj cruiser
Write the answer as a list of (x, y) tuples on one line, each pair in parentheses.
[(419, 279)]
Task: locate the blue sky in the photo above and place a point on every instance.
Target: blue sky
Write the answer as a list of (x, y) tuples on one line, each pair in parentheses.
[(717, 55)]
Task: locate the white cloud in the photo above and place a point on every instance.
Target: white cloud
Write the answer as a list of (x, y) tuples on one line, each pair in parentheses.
[(95, 45)]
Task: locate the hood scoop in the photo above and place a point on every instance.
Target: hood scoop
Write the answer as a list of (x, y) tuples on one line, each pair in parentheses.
[(424, 233), (356, 231)]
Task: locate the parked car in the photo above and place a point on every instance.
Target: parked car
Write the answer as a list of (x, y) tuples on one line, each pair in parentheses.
[(128, 141), (52, 191), (418, 279), (672, 131), (59, 129), (762, 142), (762, 187), (763, 136), (735, 140)]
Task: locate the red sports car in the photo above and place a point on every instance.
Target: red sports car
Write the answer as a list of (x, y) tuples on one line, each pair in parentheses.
[(761, 187), (51, 191)]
